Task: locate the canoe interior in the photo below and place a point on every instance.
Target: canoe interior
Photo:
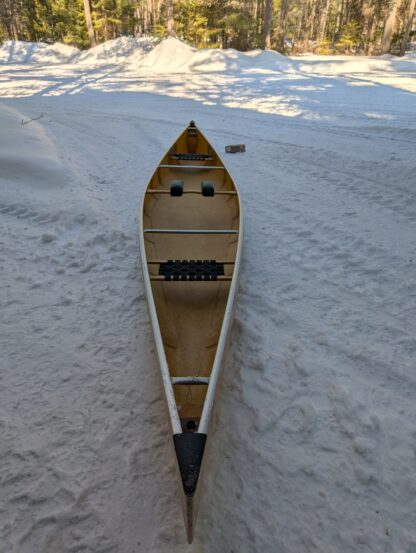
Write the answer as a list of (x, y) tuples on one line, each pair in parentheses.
[(191, 313)]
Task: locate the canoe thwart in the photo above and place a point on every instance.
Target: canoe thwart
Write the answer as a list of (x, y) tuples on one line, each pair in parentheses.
[(188, 231), (190, 380), (158, 261)]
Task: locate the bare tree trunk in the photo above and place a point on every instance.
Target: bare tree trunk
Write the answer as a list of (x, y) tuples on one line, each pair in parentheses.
[(169, 15), (347, 12), (340, 18), (367, 33), (259, 14), (147, 13), (408, 27), (312, 20), (88, 20), (155, 15), (284, 10), (322, 21), (309, 24), (389, 27), (145, 19), (138, 30), (268, 14), (15, 32)]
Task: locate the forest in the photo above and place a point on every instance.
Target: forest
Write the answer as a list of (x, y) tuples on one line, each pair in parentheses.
[(292, 27)]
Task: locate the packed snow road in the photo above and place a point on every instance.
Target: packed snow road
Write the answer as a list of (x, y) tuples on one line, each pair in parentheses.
[(314, 447)]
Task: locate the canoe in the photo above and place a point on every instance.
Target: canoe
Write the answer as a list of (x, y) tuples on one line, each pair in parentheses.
[(190, 241)]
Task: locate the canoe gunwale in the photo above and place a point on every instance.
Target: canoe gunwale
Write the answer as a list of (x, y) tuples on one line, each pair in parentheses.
[(204, 422), (163, 364)]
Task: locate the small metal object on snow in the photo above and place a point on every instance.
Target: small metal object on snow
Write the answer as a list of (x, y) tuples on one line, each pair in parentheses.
[(234, 148)]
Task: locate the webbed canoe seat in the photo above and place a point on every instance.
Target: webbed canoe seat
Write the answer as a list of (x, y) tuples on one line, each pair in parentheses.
[(192, 157), (191, 269)]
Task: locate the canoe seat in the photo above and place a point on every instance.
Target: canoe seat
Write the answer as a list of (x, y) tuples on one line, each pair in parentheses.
[(207, 188), (176, 188), (191, 270), (192, 157)]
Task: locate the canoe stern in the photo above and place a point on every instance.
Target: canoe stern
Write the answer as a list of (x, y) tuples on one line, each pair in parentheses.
[(189, 449)]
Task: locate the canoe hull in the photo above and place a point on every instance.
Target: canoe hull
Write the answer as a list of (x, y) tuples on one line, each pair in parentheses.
[(191, 320)]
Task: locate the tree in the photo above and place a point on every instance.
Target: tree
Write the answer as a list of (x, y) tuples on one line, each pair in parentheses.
[(352, 26), (408, 28), (268, 15), (88, 21), (389, 26), (169, 18), (349, 39), (283, 24)]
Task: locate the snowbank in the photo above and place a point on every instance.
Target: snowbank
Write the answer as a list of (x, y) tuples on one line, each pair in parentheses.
[(175, 56), (346, 65), (121, 49), (147, 54), (14, 52), (28, 159)]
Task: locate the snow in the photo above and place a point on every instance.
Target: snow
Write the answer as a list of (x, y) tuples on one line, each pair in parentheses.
[(117, 51), (13, 51), (314, 440)]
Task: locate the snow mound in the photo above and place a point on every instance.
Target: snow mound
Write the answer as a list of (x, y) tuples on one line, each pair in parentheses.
[(118, 50), (220, 60), (169, 55), (173, 55), (16, 51), (269, 59), (146, 54)]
